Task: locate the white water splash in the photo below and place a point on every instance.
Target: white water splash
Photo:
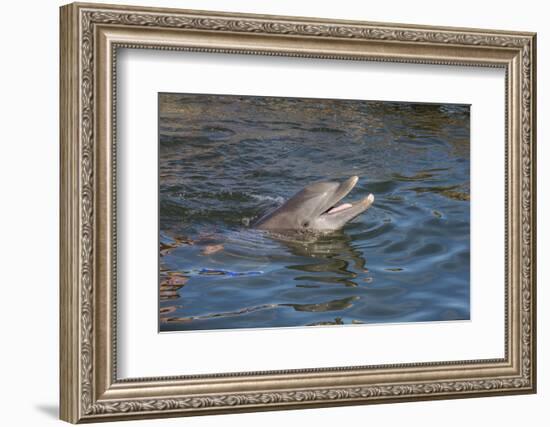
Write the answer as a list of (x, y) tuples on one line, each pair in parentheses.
[(278, 199)]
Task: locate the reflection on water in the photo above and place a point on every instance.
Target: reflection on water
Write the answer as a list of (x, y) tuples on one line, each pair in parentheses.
[(226, 160)]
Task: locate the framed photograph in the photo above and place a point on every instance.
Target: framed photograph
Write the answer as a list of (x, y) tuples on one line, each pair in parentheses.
[(266, 212)]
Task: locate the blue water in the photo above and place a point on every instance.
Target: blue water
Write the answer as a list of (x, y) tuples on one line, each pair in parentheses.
[(227, 160)]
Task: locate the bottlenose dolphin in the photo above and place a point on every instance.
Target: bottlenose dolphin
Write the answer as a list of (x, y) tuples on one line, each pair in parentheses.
[(314, 208)]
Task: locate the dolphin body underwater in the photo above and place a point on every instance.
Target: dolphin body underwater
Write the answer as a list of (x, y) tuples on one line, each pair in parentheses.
[(314, 208)]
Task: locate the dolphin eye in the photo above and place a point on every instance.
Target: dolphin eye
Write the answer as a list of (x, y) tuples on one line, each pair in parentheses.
[(306, 224)]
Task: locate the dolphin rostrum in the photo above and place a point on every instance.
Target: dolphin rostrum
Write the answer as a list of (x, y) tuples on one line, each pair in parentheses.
[(314, 208)]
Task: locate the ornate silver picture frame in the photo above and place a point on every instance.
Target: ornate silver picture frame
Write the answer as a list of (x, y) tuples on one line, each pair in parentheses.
[(91, 36)]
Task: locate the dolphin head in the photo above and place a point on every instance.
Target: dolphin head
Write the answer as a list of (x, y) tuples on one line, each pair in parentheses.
[(315, 208)]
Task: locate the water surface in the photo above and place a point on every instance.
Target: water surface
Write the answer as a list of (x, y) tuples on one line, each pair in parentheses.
[(226, 160)]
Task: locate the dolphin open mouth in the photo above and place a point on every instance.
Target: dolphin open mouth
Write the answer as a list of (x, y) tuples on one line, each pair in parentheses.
[(339, 208), (351, 209), (317, 207)]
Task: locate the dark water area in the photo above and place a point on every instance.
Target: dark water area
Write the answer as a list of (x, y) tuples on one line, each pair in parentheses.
[(227, 160)]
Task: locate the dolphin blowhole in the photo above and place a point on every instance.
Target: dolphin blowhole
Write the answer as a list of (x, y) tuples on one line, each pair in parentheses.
[(316, 208)]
